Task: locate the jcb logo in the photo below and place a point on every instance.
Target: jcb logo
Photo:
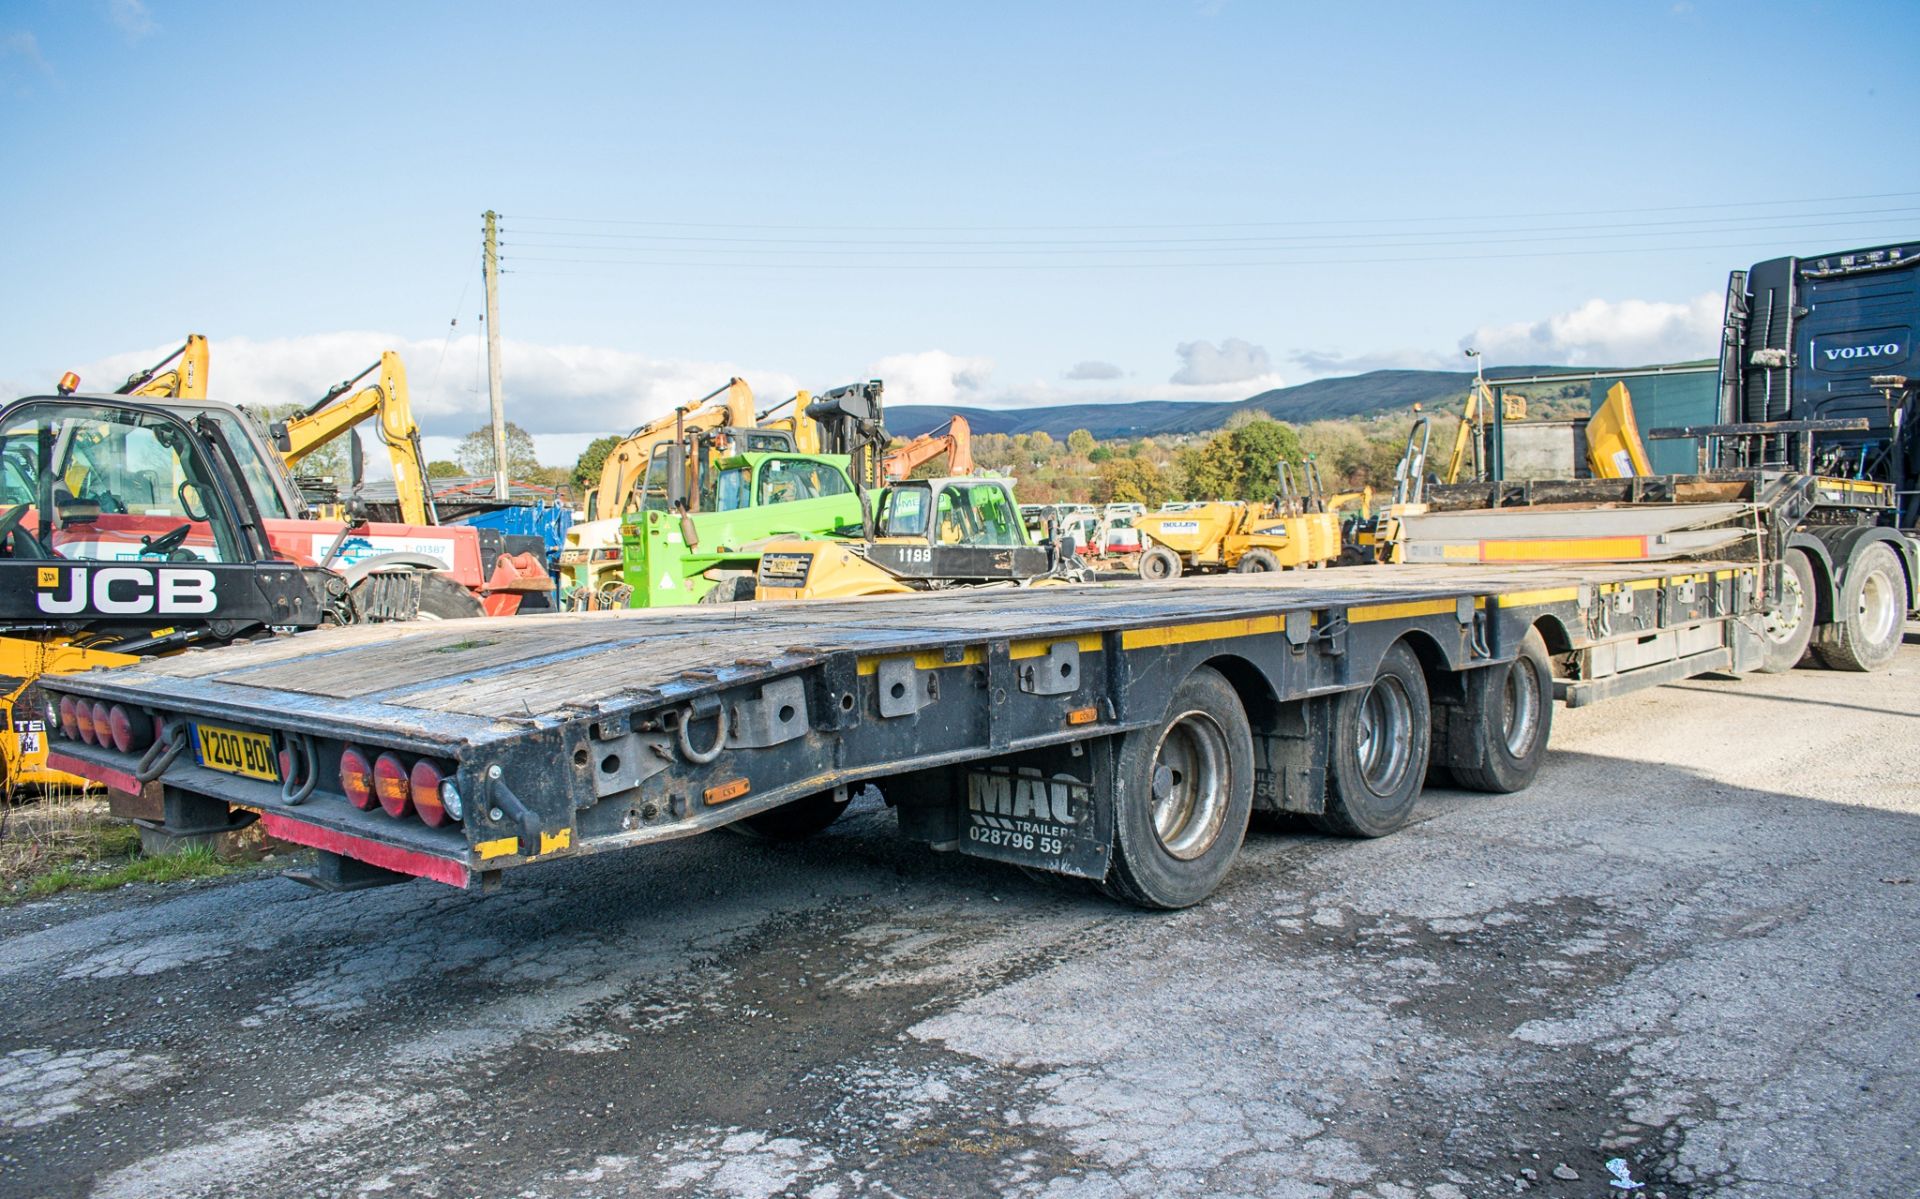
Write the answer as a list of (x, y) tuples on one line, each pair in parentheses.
[(125, 591)]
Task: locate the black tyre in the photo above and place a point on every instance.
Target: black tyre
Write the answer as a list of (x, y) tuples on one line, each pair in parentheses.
[(733, 589), (1255, 562), (1159, 564), (1497, 739), (1869, 614), (1382, 736), (1788, 627), (443, 598), (794, 821), (1183, 790)]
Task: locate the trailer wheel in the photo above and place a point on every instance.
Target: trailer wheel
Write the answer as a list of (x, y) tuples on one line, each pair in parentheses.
[(1159, 564), (442, 598), (1382, 735), (1255, 562), (1182, 796), (1789, 626), (1870, 611), (1496, 740), (794, 821)]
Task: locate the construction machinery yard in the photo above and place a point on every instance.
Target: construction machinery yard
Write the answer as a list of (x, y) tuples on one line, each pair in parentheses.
[(772, 626)]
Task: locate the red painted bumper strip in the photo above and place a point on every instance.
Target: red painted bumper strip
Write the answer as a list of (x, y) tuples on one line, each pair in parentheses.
[(405, 861)]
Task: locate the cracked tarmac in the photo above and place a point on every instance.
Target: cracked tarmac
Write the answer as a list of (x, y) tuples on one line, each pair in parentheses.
[(1688, 947)]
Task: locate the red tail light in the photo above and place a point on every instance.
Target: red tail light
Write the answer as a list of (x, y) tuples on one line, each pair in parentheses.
[(356, 779), (130, 728), (83, 719), (69, 722), (391, 784), (426, 780)]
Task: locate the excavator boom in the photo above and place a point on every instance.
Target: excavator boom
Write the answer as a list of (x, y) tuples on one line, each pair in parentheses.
[(187, 380), (627, 461), (386, 399), (954, 439)]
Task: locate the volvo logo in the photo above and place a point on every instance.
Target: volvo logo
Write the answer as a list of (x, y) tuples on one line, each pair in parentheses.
[(1889, 349)]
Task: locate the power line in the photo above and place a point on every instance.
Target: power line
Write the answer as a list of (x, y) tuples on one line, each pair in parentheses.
[(1224, 224), (1124, 266), (1576, 230), (1037, 249)]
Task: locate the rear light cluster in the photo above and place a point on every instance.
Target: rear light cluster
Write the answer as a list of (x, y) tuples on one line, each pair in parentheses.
[(124, 728), (387, 782)]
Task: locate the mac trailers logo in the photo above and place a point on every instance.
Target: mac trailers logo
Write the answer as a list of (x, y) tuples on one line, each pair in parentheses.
[(124, 591)]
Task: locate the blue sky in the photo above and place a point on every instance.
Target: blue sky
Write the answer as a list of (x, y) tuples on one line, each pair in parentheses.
[(1180, 200)]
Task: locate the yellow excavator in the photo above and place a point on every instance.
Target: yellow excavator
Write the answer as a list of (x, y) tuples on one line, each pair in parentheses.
[(590, 565), (180, 375), (387, 399)]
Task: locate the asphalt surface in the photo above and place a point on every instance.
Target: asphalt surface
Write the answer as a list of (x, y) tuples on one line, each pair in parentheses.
[(1690, 947)]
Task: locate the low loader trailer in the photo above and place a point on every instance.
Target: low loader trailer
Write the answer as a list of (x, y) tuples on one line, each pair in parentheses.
[(1117, 732)]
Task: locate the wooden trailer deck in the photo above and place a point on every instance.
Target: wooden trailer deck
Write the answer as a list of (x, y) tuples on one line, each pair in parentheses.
[(470, 680)]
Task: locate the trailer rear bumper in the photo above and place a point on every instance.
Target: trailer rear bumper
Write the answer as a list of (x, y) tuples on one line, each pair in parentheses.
[(326, 827)]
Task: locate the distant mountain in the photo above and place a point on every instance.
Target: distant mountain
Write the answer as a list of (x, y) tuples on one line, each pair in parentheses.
[(1322, 399)]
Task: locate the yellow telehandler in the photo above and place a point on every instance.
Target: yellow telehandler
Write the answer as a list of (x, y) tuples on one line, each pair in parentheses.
[(1293, 530)]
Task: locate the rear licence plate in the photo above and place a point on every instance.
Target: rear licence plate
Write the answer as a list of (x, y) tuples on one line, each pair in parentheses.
[(235, 752)]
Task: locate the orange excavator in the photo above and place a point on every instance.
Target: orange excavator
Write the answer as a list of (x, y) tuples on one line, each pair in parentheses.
[(954, 439)]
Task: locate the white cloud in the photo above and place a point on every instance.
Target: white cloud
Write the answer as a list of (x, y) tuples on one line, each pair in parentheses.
[(549, 389), (932, 377), (21, 61), (1326, 363), (1607, 333), (1232, 361), (1093, 369), (131, 18)]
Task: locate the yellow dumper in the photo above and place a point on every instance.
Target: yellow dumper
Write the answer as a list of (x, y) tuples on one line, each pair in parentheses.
[(1293, 530)]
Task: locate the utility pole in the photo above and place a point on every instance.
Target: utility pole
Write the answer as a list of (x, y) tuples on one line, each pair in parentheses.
[(490, 267)]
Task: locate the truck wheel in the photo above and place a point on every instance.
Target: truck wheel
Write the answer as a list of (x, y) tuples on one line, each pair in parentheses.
[(1789, 626), (794, 821), (1382, 735), (1159, 564), (1255, 562), (442, 598), (1183, 791), (1496, 741), (1870, 609)]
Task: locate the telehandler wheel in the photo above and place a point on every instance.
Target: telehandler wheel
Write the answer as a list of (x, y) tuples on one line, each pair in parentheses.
[(1869, 612), (1789, 626), (1497, 739), (442, 598), (794, 821), (1257, 562), (1382, 735), (1159, 564), (1183, 791)]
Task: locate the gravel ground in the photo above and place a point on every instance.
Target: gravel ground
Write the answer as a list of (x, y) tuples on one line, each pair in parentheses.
[(1688, 948)]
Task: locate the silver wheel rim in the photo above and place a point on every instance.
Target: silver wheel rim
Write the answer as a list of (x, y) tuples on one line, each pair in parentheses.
[(1520, 707), (1783, 621), (1190, 768), (1877, 618), (1386, 735)]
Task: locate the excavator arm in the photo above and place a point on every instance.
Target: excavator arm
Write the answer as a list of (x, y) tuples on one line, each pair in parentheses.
[(627, 461), (954, 439), (387, 399), (187, 380)]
